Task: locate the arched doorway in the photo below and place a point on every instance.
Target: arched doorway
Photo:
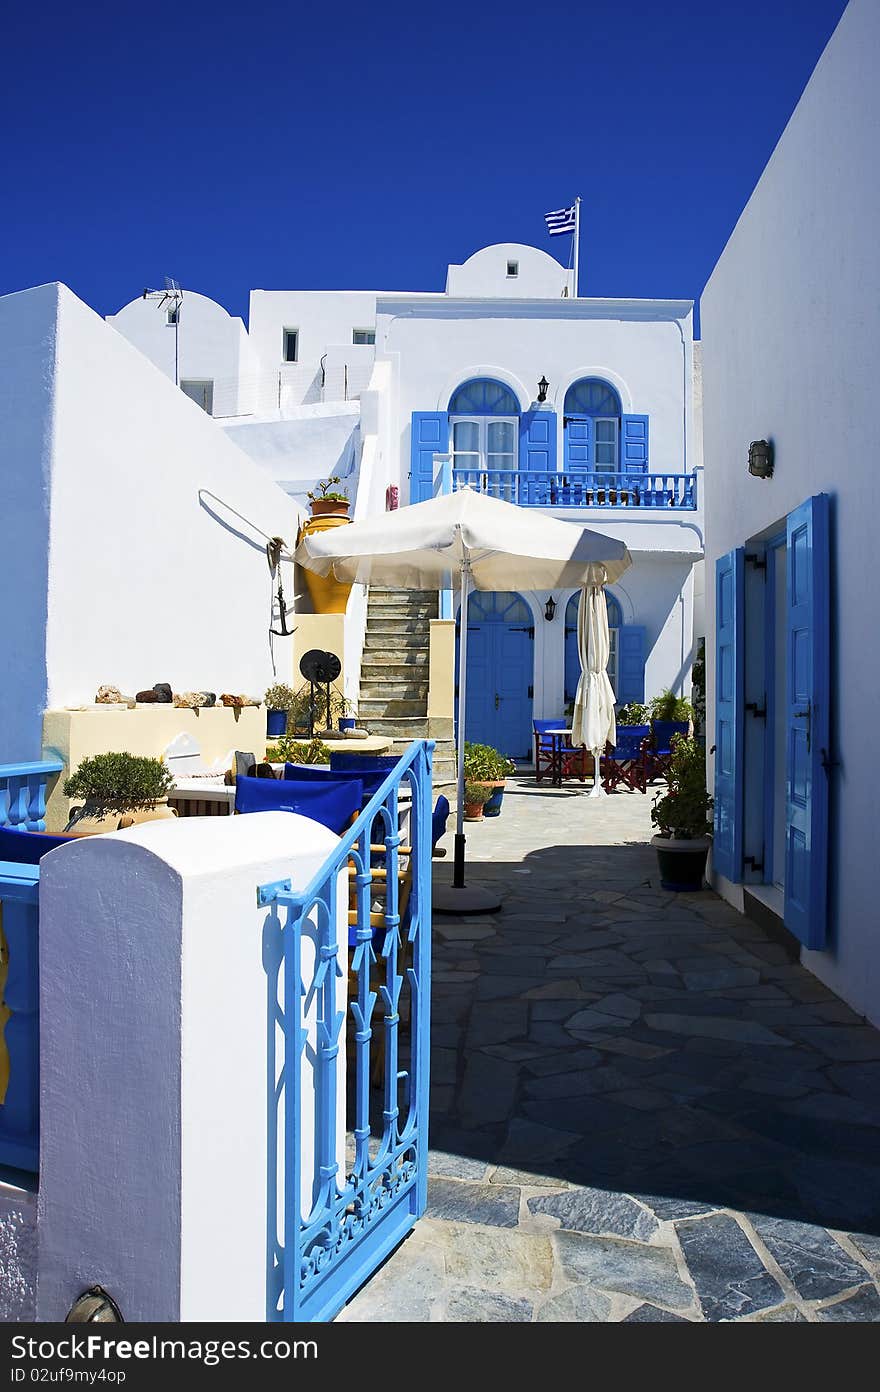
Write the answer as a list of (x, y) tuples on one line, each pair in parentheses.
[(500, 672), (591, 426), (572, 660)]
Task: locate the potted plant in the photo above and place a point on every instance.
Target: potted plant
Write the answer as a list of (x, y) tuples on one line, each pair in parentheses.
[(485, 765), (328, 501), (476, 795), (291, 751), (118, 789), (279, 700), (667, 707), (633, 713), (682, 818)]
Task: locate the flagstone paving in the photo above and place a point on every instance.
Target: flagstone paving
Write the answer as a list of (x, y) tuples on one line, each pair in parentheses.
[(643, 1107)]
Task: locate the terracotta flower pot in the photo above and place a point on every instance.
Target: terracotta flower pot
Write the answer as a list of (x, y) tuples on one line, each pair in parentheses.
[(89, 820), (473, 811), (330, 507)]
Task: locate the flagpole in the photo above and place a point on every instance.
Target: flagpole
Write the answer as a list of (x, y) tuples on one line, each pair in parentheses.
[(577, 238)]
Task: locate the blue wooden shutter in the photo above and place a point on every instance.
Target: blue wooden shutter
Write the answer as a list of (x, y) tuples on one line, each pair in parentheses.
[(577, 452), (537, 441), (430, 436), (807, 730), (727, 849), (634, 444), (630, 664)]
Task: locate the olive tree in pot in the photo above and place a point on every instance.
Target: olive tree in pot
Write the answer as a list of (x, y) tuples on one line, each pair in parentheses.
[(118, 789), (279, 700), (486, 766), (682, 818)]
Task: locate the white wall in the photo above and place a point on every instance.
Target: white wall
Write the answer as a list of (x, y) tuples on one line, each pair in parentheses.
[(643, 348), (154, 1131), (212, 345), (133, 580), (324, 319), (538, 276), (317, 442), (791, 343)]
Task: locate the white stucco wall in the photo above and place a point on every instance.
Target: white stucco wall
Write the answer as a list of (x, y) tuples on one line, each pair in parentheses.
[(125, 575), (212, 345), (538, 275), (154, 998), (324, 319), (791, 342), (314, 443)]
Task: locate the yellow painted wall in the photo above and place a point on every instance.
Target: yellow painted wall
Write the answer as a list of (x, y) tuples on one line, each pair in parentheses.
[(73, 735), (324, 631), (441, 670)]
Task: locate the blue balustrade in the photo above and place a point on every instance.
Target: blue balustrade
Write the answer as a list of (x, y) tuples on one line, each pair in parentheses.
[(319, 1253), (581, 488), (23, 793), (19, 1016)]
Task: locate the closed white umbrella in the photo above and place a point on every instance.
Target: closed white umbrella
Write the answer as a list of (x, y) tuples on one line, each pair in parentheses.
[(489, 545), (593, 722)]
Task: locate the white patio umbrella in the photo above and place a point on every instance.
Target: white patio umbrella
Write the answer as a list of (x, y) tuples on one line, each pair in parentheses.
[(593, 721), (489, 545)]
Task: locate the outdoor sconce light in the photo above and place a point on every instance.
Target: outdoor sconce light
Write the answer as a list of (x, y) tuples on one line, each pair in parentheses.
[(94, 1306), (550, 609), (761, 459), (542, 389)]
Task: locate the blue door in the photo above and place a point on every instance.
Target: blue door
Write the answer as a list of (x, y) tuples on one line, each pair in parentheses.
[(807, 730), (500, 667)]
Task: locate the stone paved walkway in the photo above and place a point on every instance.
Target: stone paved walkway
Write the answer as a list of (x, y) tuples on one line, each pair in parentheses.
[(643, 1108)]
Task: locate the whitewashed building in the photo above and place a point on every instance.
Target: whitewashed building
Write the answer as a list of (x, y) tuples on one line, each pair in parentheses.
[(791, 339), (508, 383)]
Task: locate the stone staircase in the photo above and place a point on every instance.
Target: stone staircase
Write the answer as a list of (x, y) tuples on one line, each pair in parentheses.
[(394, 674)]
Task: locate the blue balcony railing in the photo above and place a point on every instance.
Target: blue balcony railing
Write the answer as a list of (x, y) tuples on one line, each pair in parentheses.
[(23, 794), (582, 488), (323, 1246)]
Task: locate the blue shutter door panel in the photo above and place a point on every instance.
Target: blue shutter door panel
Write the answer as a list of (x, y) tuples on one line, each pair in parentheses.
[(430, 436), (630, 664), (578, 442), (634, 444), (807, 729), (727, 851), (537, 441)]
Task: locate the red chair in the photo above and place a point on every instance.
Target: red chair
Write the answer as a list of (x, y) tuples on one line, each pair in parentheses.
[(550, 761)]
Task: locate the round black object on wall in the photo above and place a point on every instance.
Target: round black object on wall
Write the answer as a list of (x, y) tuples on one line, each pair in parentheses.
[(319, 666)]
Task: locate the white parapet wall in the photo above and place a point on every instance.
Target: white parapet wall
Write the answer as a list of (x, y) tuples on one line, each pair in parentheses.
[(156, 987)]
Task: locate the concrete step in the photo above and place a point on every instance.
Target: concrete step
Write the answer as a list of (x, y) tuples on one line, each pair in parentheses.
[(399, 729), (388, 666), (390, 629), (396, 709), (373, 692), (402, 611), (381, 593)]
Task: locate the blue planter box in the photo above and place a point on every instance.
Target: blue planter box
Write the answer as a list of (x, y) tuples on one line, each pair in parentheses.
[(276, 722)]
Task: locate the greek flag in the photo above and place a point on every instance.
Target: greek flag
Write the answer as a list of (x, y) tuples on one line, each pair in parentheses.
[(563, 220)]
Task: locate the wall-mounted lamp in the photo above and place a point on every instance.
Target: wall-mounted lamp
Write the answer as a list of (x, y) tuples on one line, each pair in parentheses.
[(550, 609), (94, 1306), (761, 459), (542, 389)]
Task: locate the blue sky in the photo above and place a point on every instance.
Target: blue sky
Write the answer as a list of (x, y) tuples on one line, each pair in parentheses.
[(306, 145)]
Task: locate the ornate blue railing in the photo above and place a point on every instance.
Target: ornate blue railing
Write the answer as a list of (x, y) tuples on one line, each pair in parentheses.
[(378, 882), (581, 488), (23, 793), (19, 1016)]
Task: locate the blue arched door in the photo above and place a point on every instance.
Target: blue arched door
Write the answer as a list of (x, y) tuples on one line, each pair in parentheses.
[(500, 666), (572, 660)]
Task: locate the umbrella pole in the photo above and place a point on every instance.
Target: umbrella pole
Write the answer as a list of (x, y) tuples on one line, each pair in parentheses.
[(459, 897), (458, 869)]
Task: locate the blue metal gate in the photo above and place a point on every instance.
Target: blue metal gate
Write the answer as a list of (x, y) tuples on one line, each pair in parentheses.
[(378, 880)]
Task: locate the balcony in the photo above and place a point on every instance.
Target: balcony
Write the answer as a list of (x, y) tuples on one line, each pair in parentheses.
[(581, 488)]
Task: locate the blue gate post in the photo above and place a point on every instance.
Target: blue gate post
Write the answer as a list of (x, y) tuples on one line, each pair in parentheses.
[(20, 1109)]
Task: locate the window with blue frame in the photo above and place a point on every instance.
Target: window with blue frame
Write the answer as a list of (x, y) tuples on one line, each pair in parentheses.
[(484, 429), (591, 420)]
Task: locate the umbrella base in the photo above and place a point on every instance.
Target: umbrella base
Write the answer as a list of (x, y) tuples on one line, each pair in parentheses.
[(468, 899)]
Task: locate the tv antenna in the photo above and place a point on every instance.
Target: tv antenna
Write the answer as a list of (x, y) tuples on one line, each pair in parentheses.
[(170, 299)]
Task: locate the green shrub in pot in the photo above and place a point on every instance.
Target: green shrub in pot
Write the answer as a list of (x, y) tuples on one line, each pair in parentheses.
[(682, 816)]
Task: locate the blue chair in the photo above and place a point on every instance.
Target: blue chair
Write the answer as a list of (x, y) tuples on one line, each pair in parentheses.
[(572, 760), (661, 752), (332, 803), (439, 818), (28, 847), (626, 761)]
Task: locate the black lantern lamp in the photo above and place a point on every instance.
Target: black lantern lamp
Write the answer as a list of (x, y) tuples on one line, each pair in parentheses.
[(550, 609), (542, 389), (761, 459)]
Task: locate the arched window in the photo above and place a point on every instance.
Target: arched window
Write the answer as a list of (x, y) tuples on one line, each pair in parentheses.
[(484, 435), (572, 660), (592, 412)]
